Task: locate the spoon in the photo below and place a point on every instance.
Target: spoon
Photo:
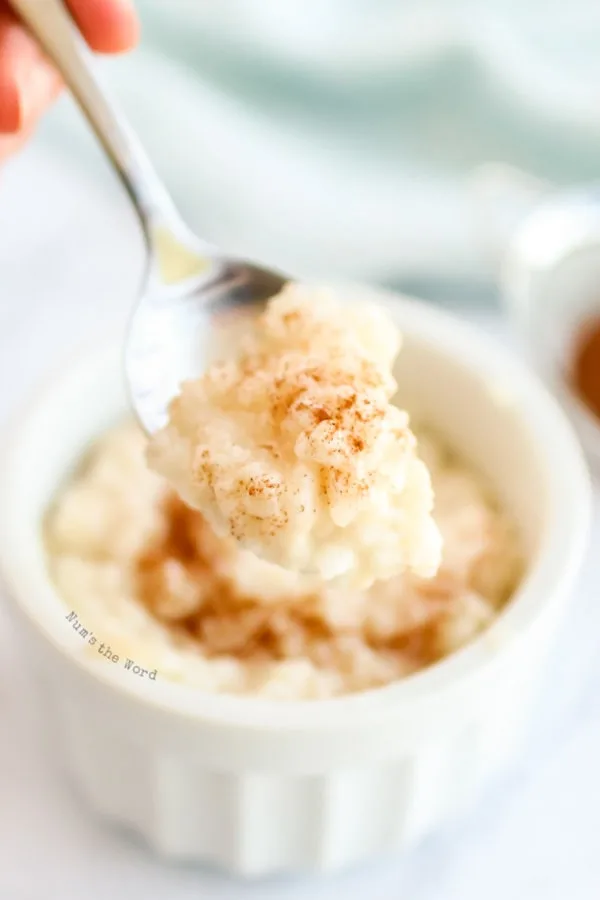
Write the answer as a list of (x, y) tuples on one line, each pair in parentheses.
[(190, 287)]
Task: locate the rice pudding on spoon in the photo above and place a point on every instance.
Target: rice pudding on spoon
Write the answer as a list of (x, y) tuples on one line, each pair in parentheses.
[(292, 445)]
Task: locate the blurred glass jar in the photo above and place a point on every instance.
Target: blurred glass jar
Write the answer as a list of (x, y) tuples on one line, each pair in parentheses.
[(551, 287)]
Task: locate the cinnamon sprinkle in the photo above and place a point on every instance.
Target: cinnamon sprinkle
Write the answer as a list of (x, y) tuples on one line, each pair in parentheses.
[(182, 578)]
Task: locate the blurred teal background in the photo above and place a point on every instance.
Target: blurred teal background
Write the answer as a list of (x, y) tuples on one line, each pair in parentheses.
[(346, 137), (446, 85)]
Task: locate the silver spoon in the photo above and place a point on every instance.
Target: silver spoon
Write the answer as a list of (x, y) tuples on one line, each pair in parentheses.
[(190, 286)]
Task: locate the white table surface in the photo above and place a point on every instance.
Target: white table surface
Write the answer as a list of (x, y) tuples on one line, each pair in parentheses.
[(70, 258)]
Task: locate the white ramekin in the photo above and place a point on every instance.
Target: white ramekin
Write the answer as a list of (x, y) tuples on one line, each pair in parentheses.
[(259, 787)]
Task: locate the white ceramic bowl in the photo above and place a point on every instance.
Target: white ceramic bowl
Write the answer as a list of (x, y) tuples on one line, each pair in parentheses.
[(261, 786)]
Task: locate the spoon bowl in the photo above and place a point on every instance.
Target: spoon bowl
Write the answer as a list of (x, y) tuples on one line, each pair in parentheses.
[(176, 328)]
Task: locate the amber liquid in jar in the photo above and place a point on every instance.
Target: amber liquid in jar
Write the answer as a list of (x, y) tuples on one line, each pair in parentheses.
[(585, 366)]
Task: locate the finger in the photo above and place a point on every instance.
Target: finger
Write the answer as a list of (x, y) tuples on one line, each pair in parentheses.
[(28, 83), (109, 26)]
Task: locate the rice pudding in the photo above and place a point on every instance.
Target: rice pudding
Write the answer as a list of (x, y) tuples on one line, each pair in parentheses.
[(149, 576), (293, 447)]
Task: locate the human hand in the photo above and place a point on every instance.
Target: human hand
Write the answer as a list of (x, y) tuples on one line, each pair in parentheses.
[(29, 83)]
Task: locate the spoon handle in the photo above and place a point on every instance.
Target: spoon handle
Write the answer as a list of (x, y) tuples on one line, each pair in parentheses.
[(51, 24)]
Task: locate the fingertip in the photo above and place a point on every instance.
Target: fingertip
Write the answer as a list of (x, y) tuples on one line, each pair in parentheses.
[(109, 26), (28, 83), (124, 37)]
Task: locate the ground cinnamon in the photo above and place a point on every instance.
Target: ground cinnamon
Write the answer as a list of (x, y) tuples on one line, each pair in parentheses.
[(182, 577), (586, 365)]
